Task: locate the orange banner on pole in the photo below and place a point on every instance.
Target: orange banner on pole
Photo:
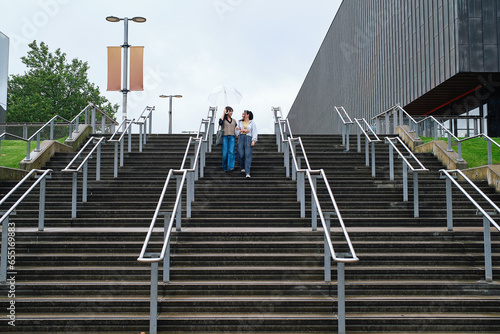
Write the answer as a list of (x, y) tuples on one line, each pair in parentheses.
[(136, 72), (114, 67)]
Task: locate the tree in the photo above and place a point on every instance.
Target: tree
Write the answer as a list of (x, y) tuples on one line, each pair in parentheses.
[(50, 87)]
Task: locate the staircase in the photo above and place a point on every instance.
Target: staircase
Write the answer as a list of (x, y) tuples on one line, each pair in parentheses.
[(246, 261)]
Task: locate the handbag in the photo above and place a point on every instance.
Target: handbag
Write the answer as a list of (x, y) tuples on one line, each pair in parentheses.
[(218, 138)]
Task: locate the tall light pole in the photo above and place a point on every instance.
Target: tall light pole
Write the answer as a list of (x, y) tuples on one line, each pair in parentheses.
[(170, 110), (125, 47)]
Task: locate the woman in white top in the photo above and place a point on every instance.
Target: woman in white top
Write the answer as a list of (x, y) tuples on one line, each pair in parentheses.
[(247, 132)]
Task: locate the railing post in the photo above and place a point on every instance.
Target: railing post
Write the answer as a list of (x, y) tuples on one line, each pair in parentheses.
[(459, 149), (358, 133), (373, 159), (129, 139), (405, 182), (387, 122), (3, 255), (347, 138), (341, 296), (28, 149), (488, 269), (153, 305), (103, 124), (395, 118), (116, 160), (367, 152), (92, 119), (391, 162), (301, 193), (490, 160), (70, 135), (51, 130), (84, 183), (178, 214), (41, 206), (74, 193), (121, 151), (328, 261), (37, 149), (415, 195), (314, 212), (140, 137), (449, 149), (286, 157), (166, 259), (202, 158), (98, 164), (449, 205), (189, 194)]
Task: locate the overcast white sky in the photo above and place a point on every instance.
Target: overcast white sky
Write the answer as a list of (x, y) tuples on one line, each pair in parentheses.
[(264, 48)]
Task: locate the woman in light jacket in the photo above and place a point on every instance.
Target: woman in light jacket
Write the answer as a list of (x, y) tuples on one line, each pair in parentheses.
[(228, 140), (247, 132)]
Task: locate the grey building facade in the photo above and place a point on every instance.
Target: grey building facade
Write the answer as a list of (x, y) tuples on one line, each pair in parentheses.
[(438, 57), (4, 75)]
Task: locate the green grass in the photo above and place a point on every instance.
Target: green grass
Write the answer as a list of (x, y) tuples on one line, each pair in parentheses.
[(13, 151), (474, 151)]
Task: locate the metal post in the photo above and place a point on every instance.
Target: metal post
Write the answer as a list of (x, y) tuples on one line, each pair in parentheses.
[(202, 158), (341, 297), (373, 159), (121, 152), (116, 160), (140, 137), (449, 204), (328, 261), (286, 158), (3, 255), (367, 152), (84, 183), (74, 192), (178, 214), (415, 195), (41, 206), (347, 138), (166, 259), (98, 164), (488, 269), (490, 160), (405, 182), (358, 133), (314, 212), (302, 193), (387, 122), (188, 195), (391, 162), (459, 149), (153, 305), (51, 130)]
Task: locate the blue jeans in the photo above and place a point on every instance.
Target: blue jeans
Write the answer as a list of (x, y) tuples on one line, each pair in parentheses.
[(245, 152), (227, 153)]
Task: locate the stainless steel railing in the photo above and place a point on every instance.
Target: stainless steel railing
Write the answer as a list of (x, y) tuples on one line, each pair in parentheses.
[(407, 165), (344, 123), (370, 139), (288, 144), (185, 176), (83, 166), (4, 220), (487, 220), (127, 129), (145, 122)]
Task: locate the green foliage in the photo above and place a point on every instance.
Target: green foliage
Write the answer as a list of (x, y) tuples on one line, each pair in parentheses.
[(474, 151), (51, 86)]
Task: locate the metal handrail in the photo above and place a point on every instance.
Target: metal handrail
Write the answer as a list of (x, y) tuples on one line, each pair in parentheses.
[(187, 175), (4, 220), (127, 125), (146, 114), (490, 142), (487, 220), (344, 125), (83, 165), (368, 141), (329, 251), (406, 165)]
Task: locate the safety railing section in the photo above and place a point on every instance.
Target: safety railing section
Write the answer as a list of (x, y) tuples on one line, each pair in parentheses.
[(344, 123), (487, 219), (51, 129), (371, 139), (287, 143), (73, 168), (118, 138), (145, 122), (192, 164), (407, 157), (428, 126), (8, 229)]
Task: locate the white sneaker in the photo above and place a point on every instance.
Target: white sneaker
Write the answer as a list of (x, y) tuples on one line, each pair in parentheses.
[(248, 175), (243, 171)]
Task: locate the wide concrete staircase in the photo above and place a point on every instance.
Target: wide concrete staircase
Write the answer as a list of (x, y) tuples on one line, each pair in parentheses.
[(246, 261)]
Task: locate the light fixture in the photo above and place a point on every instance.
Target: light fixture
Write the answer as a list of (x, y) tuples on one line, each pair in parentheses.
[(170, 110)]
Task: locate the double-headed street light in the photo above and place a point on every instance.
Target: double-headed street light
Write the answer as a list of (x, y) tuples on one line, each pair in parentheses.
[(125, 47), (170, 110)]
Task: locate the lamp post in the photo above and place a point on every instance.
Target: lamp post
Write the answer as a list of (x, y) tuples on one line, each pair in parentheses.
[(125, 47), (170, 110)]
